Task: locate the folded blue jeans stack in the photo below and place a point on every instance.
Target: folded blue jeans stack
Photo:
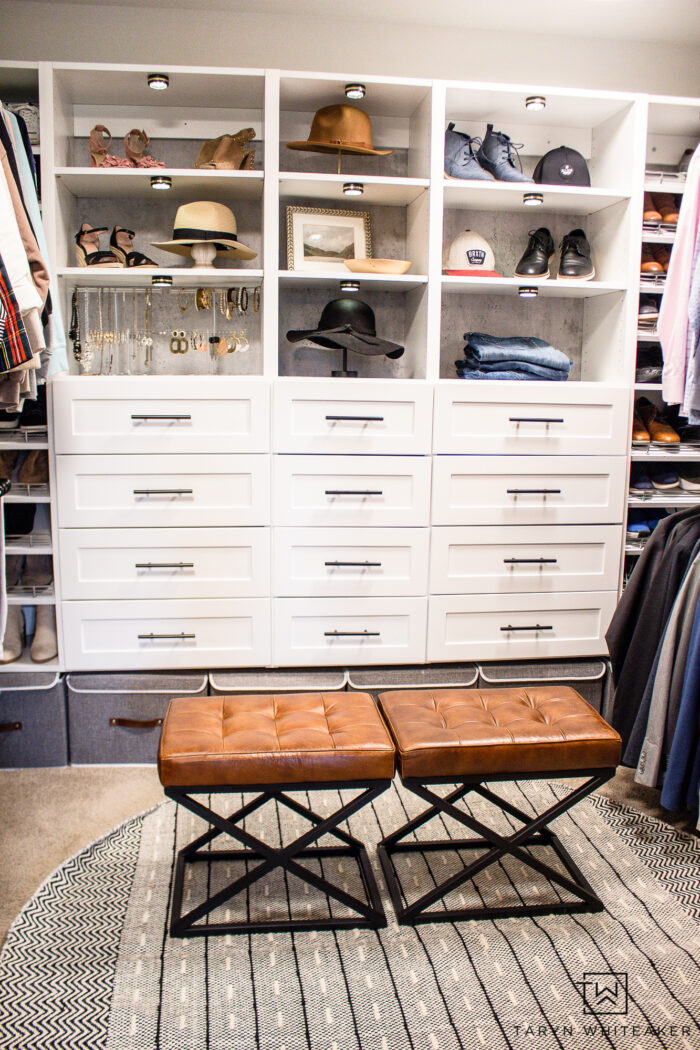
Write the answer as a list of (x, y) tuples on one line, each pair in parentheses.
[(511, 357)]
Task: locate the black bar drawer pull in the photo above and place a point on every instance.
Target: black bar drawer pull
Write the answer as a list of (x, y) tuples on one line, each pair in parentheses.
[(536, 627), (354, 564), (529, 561), (164, 565), (533, 419), (355, 419), (136, 723), (354, 492), (152, 637), (9, 727), (533, 492), (163, 492), (175, 418), (351, 634)]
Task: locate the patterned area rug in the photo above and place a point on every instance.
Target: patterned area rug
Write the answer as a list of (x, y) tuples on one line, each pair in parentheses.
[(88, 963)]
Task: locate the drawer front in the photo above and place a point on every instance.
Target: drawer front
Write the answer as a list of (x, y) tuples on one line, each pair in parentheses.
[(217, 632), (161, 414), (543, 419), (319, 416), (335, 562), (164, 563), (528, 490), (121, 491), (519, 627), (517, 559), (328, 631), (351, 490)]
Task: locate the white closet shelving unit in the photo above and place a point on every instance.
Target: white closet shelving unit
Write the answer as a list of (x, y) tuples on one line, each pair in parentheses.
[(673, 125), (20, 82), (426, 533)]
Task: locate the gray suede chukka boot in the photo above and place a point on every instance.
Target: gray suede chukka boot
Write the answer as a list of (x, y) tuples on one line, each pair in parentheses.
[(496, 154), (460, 160)]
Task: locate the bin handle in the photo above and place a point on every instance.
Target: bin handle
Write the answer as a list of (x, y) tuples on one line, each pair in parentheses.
[(9, 727), (136, 723)]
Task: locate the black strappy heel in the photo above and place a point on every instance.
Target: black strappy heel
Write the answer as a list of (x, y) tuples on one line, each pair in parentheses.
[(121, 243)]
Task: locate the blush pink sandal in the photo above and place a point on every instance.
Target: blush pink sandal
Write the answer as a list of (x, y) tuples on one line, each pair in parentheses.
[(98, 147), (135, 146)]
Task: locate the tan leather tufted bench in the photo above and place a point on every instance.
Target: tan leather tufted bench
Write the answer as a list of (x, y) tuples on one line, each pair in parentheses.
[(272, 745), (472, 737)]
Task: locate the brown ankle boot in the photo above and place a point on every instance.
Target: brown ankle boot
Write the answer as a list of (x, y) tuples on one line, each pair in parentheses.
[(35, 469), (8, 461)]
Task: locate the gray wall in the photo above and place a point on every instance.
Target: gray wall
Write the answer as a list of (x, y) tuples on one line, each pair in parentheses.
[(108, 33)]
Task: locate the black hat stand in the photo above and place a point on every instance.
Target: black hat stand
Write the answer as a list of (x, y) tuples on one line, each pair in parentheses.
[(344, 370)]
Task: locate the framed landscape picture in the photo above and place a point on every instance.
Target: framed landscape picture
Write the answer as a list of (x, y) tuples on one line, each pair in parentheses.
[(321, 239)]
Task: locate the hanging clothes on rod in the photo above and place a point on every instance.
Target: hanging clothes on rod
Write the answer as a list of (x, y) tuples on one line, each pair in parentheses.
[(679, 316), (649, 640), (27, 329)]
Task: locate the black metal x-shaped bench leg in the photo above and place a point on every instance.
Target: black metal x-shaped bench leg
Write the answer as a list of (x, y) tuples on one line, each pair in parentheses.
[(535, 831), (369, 912)]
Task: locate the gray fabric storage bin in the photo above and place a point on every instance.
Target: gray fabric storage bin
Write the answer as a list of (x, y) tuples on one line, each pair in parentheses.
[(294, 680), (33, 729), (588, 677), (99, 703), (376, 680)]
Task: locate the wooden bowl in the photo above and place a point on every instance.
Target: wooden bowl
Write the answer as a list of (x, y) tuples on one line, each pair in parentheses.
[(378, 265)]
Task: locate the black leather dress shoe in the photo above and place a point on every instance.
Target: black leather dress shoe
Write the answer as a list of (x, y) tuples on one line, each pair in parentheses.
[(648, 374), (575, 263), (535, 261)]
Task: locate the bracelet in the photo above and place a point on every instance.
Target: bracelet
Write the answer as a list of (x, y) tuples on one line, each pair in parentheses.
[(256, 299)]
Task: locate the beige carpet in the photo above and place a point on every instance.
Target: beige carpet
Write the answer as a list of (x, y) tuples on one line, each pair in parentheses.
[(47, 815)]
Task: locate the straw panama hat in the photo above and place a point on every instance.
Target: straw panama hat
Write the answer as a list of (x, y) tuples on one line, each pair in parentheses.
[(206, 221)]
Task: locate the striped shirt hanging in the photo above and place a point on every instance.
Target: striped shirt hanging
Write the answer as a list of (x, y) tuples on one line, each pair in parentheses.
[(14, 344)]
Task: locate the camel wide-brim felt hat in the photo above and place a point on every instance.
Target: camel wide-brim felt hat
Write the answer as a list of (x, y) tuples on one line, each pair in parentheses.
[(342, 127), (348, 324), (206, 221)]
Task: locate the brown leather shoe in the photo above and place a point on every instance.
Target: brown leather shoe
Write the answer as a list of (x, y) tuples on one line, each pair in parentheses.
[(651, 212), (35, 469), (640, 434), (662, 254), (660, 433), (8, 461), (666, 206), (649, 263)]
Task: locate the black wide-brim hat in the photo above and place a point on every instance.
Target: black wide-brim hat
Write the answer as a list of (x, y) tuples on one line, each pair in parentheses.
[(348, 324)]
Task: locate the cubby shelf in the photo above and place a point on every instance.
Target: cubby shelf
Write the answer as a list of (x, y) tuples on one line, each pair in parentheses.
[(669, 182), (682, 451), (508, 197), (657, 236), (663, 499), (190, 183), (141, 277), (510, 286), (377, 189), (404, 282)]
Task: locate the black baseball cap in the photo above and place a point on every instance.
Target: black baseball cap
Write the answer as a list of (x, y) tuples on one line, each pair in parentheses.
[(562, 166)]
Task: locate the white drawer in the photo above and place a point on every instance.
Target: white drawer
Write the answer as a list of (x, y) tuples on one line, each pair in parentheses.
[(543, 418), (519, 627), (120, 491), (351, 490), (378, 418), (161, 414), (528, 490), (165, 563), (330, 631), (336, 562), (483, 559), (217, 632)]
